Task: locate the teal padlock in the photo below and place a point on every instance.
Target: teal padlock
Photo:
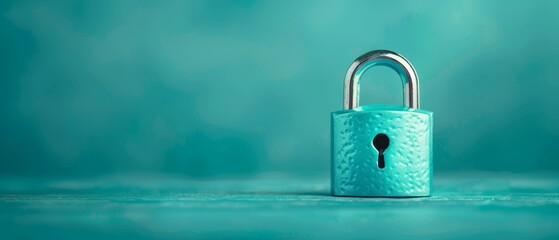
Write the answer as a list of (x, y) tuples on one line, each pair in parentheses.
[(382, 150)]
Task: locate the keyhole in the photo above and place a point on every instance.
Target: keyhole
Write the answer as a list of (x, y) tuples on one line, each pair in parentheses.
[(381, 142)]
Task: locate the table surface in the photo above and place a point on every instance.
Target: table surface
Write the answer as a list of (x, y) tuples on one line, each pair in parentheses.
[(464, 206)]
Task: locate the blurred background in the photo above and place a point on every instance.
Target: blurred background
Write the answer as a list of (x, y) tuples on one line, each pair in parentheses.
[(221, 89)]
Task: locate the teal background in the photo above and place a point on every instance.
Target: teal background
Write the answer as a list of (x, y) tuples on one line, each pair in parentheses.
[(211, 89)]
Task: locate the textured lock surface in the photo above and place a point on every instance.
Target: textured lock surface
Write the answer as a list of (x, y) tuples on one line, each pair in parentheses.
[(408, 158)]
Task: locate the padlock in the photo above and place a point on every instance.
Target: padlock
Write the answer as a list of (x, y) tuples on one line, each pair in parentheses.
[(382, 150)]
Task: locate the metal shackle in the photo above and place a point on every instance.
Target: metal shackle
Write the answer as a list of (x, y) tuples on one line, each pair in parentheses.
[(383, 58)]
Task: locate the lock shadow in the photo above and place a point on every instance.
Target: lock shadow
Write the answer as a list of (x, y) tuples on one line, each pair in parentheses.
[(319, 194), (283, 193)]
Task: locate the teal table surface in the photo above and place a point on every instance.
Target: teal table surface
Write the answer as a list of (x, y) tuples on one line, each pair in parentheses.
[(465, 205)]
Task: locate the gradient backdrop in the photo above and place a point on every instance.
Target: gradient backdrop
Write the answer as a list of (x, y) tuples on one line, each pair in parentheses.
[(211, 89)]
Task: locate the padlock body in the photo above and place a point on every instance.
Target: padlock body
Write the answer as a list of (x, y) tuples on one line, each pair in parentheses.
[(408, 159)]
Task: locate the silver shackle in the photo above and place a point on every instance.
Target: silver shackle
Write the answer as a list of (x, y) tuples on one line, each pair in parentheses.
[(383, 58)]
